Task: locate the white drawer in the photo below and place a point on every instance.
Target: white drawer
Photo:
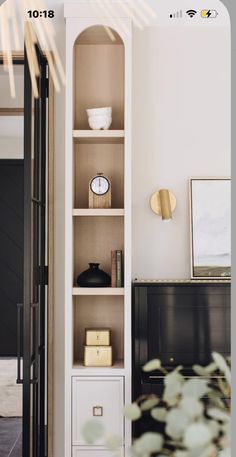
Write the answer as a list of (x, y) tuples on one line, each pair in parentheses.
[(92, 396), (78, 452)]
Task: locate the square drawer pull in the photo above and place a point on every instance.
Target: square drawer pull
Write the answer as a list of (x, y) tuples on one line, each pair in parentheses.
[(98, 411)]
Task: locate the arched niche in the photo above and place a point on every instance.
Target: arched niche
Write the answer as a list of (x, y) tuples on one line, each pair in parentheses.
[(99, 75)]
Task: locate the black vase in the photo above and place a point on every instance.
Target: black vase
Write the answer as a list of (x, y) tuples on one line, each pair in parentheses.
[(94, 277)]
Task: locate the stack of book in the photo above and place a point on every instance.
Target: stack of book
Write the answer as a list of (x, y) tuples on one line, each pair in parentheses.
[(116, 269)]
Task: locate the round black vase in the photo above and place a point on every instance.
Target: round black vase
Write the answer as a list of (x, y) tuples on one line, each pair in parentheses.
[(94, 277)]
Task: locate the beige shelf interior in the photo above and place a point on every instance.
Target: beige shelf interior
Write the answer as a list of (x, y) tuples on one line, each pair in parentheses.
[(100, 312), (94, 239), (99, 76), (89, 159), (98, 35), (98, 82)]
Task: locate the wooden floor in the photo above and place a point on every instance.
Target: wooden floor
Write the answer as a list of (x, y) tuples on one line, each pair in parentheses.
[(10, 391), (10, 437)]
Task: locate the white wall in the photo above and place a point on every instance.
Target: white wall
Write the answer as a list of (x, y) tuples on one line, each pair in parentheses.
[(11, 148), (11, 127), (181, 129), (5, 97)]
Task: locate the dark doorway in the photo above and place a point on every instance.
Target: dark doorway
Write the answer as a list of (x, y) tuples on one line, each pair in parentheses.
[(11, 251), (23, 268)]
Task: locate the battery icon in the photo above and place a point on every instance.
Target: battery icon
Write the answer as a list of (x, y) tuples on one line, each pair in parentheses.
[(209, 14)]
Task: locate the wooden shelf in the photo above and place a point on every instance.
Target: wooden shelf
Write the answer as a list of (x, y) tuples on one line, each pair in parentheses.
[(98, 212), (80, 370), (98, 133), (77, 291), (181, 281), (11, 111), (102, 136)]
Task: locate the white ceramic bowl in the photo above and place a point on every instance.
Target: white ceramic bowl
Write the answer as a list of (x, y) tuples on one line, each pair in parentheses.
[(102, 122), (99, 111)]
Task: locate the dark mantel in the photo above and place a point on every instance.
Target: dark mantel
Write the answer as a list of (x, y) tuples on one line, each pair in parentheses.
[(180, 322)]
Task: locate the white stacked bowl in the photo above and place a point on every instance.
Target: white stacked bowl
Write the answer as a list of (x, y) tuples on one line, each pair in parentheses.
[(99, 118)]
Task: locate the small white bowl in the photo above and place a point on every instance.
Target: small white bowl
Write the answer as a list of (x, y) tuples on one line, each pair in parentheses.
[(102, 122), (99, 111)]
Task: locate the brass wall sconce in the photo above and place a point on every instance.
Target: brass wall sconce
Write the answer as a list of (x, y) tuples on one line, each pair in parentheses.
[(163, 203)]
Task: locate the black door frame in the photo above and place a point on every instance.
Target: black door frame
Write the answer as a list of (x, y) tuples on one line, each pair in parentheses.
[(35, 281), (18, 59), (33, 375)]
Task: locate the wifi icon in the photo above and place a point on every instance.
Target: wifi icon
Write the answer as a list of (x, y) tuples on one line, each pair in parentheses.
[(191, 13)]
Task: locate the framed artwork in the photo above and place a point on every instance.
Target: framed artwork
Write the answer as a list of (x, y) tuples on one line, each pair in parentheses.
[(210, 210)]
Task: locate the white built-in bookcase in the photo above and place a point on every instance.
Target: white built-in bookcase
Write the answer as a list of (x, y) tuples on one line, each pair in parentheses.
[(98, 74)]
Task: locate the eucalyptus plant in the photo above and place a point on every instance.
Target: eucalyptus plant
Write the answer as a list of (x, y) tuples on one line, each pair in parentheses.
[(194, 413)]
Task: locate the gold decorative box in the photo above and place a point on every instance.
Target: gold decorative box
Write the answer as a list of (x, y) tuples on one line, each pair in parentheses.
[(98, 356), (97, 337)]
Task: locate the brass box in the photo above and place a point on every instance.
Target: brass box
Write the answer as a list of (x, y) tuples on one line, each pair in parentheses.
[(98, 356), (97, 337)]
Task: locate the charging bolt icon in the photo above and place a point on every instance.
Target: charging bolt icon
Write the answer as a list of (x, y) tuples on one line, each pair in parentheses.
[(209, 14)]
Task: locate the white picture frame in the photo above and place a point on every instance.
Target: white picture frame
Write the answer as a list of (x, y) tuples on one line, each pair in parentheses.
[(210, 222)]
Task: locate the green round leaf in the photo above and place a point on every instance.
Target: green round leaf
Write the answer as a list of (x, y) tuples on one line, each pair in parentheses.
[(113, 442), (148, 444), (196, 388), (173, 378), (132, 412), (214, 427), (172, 390), (152, 365), (211, 368), (192, 407), (197, 435), (159, 414), (176, 423), (199, 370), (218, 414), (92, 431), (149, 404), (222, 365)]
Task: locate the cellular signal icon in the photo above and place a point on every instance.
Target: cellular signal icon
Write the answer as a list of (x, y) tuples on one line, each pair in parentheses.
[(177, 15)]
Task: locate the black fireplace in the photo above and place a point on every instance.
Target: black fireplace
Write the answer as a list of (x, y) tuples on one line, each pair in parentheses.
[(180, 324)]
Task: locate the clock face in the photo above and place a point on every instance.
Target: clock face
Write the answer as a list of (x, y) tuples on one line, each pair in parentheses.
[(100, 185)]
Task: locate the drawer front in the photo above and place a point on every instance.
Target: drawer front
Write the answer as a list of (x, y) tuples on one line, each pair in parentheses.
[(100, 398), (78, 452)]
